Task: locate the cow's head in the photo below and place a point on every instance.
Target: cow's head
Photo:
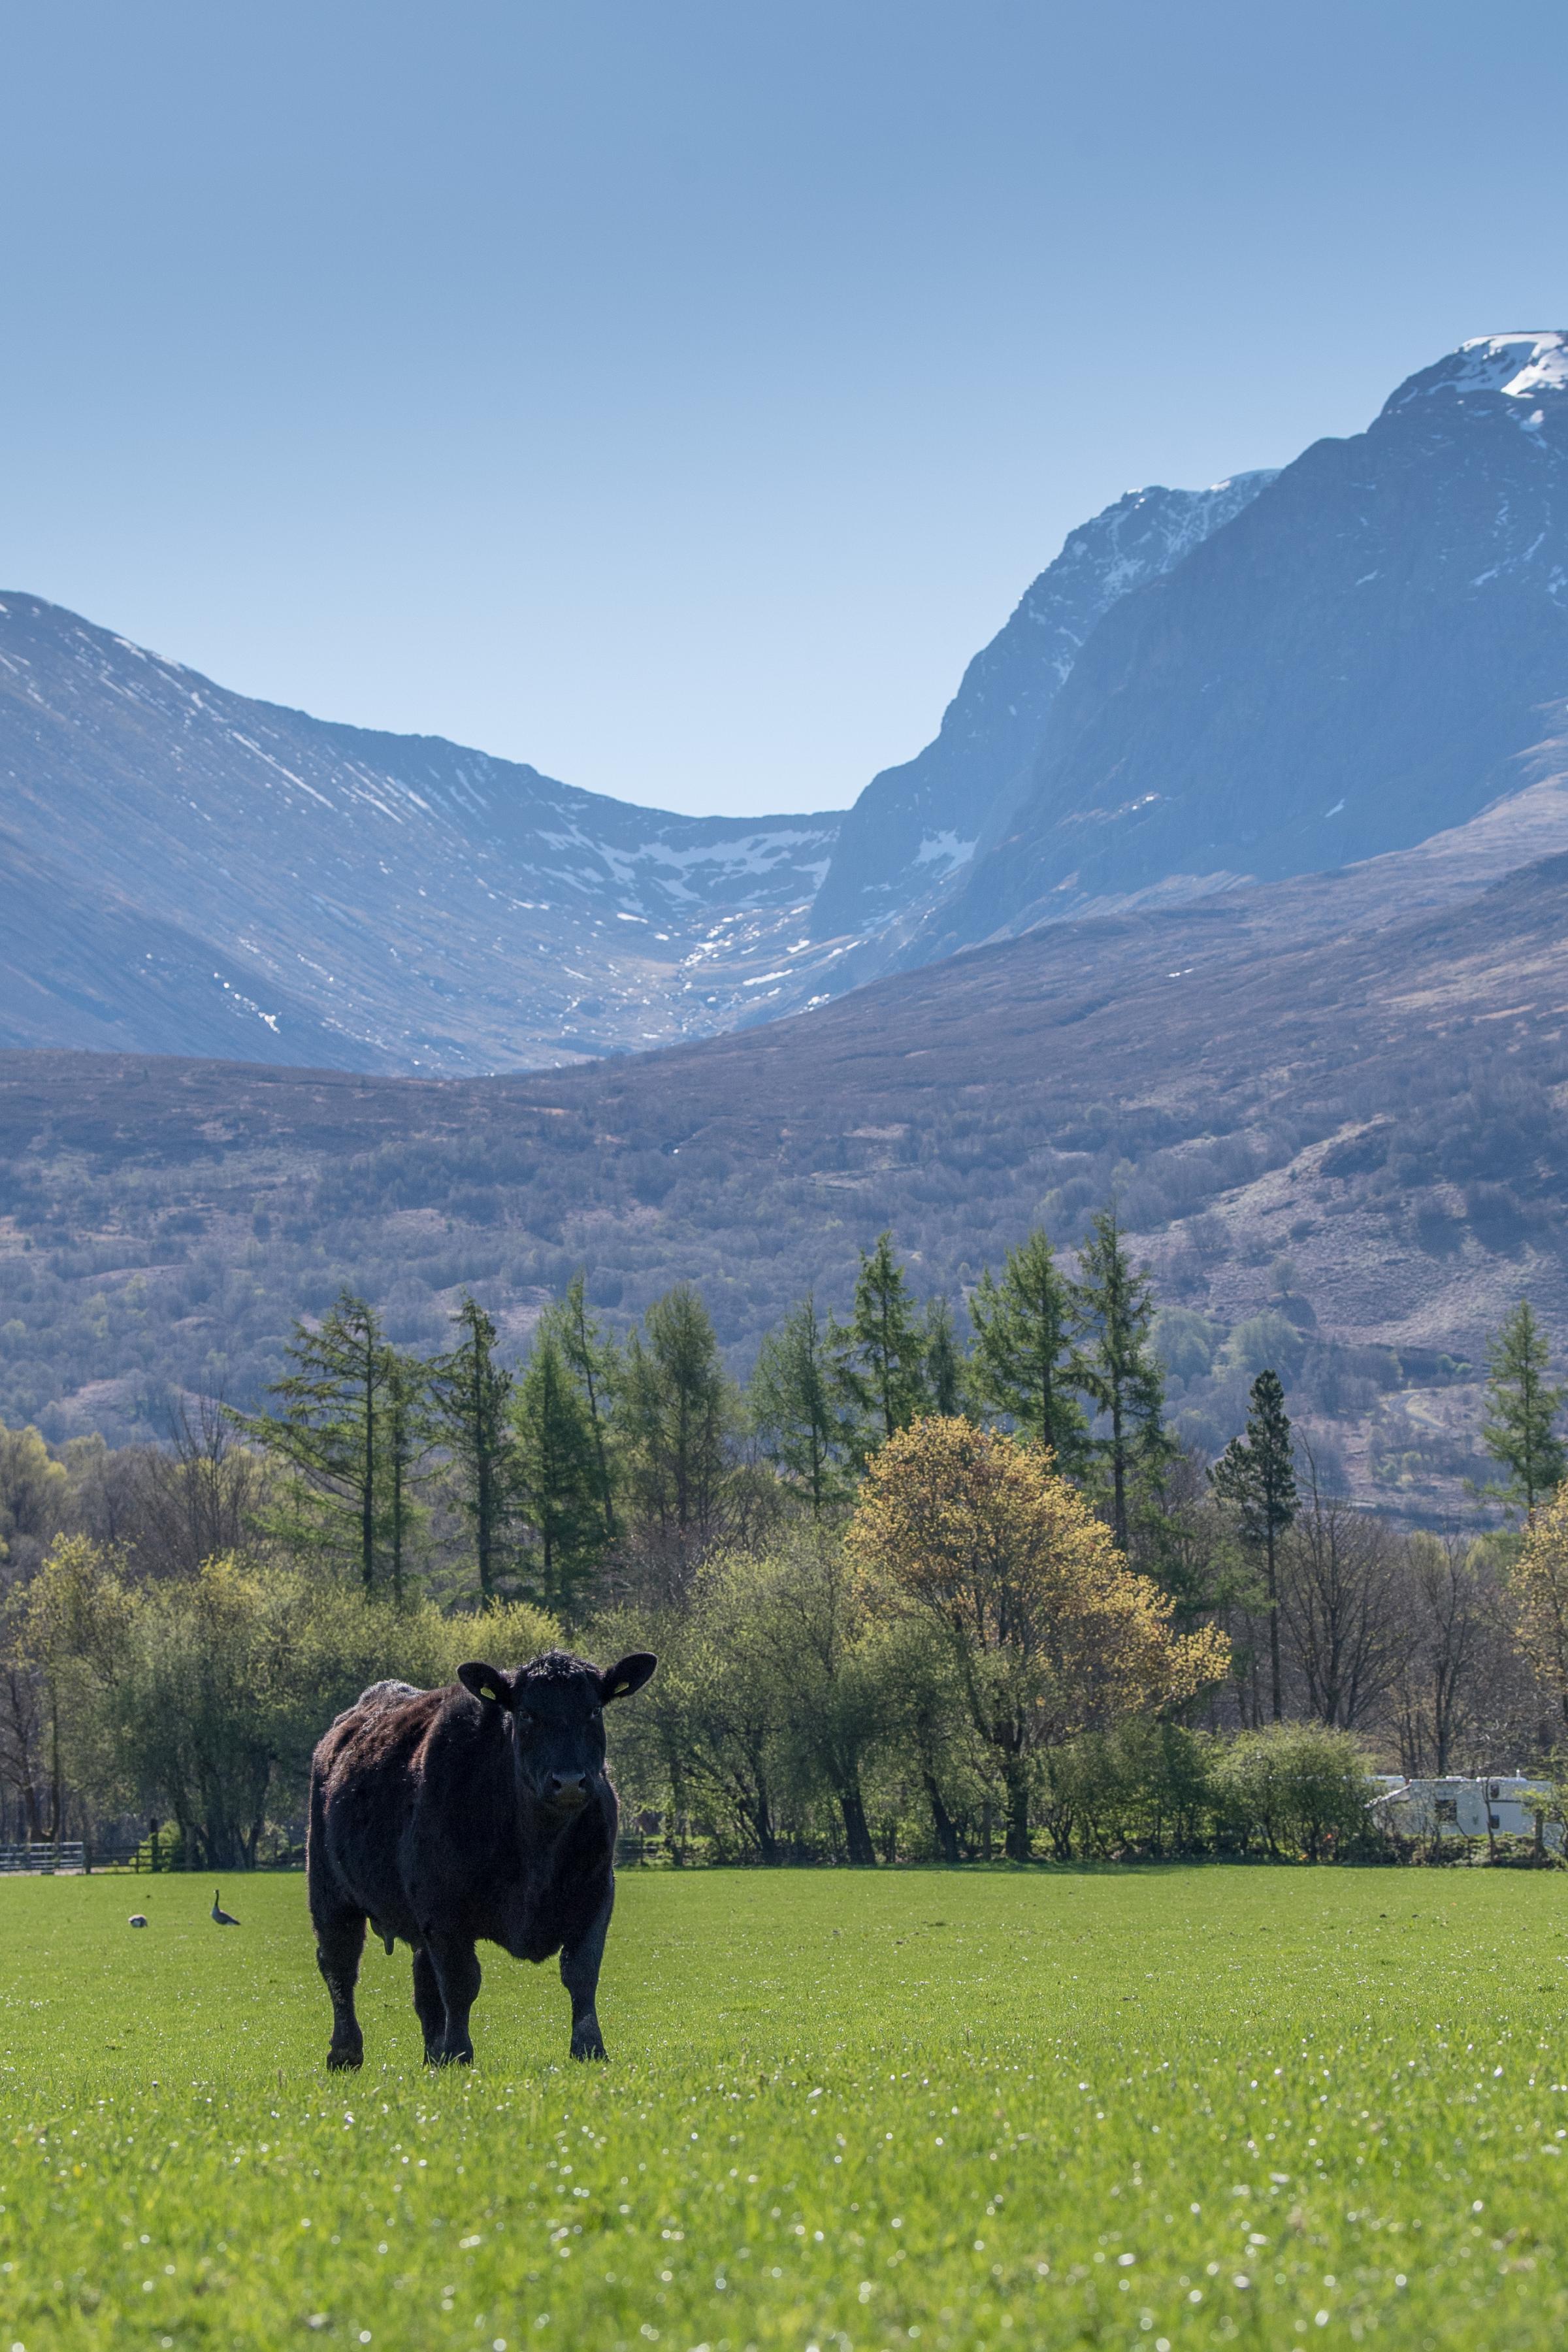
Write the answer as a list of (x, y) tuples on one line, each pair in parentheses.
[(556, 1706)]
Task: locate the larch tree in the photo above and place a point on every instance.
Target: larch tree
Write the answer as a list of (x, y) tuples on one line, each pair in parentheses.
[(326, 1429), (944, 1364), (471, 1393), (1256, 1476), (1021, 1366), (1053, 1634), (407, 1430), (1522, 1407), (1117, 1368), (594, 1362), (794, 1410), (677, 1414), (880, 1353), (557, 1481)]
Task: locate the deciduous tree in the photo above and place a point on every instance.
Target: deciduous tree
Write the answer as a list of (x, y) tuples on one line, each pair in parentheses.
[(1539, 1579), (1054, 1632)]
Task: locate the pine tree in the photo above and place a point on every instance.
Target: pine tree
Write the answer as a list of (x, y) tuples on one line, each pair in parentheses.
[(793, 1408), (1523, 1405), (471, 1393), (558, 1480), (1256, 1476), (594, 1363), (880, 1354), (1118, 1368), (1021, 1369), (327, 1428)]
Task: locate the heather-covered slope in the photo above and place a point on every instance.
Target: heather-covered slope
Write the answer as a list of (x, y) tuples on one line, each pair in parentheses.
[(1363, 1074)]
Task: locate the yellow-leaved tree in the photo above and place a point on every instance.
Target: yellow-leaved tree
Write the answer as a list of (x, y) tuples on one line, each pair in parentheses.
[(1052, 1633), (1539, 1579)]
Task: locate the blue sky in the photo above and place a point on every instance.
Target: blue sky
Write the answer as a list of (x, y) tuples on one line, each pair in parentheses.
[(675, 392)]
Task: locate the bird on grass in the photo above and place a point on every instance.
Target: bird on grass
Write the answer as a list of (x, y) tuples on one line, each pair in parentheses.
[(221, 1917)]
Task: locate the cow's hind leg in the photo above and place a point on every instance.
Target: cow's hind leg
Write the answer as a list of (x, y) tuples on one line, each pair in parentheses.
[(432, 2009), (339, 1944), (580, 1975), (456, 1973)]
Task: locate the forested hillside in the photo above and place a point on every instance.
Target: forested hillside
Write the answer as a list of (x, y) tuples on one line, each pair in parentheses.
[(1360, 1075)]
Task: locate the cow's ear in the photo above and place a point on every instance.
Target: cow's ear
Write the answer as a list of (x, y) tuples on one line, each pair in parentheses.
[(486, 1683), (619, 1682)]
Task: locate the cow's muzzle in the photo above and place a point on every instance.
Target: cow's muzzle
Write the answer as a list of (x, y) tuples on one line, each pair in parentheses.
[(567, 1790)]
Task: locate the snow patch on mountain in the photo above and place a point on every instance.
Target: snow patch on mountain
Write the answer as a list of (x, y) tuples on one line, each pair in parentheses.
[(1520, 366)]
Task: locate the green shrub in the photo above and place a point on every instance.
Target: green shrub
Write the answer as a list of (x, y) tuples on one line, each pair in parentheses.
[(1296, 1789)]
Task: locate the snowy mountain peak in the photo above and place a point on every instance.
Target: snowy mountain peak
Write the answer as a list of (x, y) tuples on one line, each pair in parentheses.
[(1522, 366)]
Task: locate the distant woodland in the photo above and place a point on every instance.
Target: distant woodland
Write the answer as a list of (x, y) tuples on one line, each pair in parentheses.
[(918, 1592)]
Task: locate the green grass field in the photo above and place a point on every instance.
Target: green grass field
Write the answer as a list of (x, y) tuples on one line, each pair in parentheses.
[(1170, 2108)]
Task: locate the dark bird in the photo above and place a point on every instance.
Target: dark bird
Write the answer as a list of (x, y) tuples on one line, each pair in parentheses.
[(223, 1918), (137, 1919)]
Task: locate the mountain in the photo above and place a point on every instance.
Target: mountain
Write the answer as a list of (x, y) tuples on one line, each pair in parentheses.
[(1367, 652), (1363, 1074), (915, 826), (1284, 674), (188, 870)]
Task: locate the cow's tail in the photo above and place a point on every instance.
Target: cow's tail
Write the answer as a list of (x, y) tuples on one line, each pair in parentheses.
[(318, 1865)]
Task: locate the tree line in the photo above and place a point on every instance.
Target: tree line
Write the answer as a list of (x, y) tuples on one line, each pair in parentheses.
[(180, 1622)]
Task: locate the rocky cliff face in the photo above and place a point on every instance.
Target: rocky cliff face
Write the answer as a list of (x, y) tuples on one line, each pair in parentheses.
[(1366, 654), (915, 828)]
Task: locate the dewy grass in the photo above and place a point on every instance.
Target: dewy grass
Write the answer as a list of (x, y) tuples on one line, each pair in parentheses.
[(1165, 2107)]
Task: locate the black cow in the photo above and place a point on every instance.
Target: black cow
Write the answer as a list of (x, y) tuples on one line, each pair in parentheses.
[(481, 1810)]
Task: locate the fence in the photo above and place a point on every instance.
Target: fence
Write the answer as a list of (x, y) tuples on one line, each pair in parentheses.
[(43, 1859)]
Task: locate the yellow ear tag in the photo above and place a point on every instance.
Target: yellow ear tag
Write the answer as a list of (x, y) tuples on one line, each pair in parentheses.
[(485, 1691), (619, 1688)]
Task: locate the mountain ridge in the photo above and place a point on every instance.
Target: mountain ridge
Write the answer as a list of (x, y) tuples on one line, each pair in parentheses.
[(1362, 656)]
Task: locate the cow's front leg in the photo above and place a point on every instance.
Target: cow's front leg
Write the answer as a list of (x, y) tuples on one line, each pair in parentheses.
[(456, 1973), (338, 1948), (580, 1975)]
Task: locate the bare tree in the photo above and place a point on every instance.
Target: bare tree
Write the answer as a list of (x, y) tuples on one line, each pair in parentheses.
[(198, 1498), (1343, 1607), (23, 1773), (1437, 1687)]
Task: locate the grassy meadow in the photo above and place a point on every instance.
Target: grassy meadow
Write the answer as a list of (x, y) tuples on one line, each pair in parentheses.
[(1173, 2106)]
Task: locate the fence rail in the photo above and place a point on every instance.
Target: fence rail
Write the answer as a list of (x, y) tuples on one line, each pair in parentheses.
[(43, 1859)]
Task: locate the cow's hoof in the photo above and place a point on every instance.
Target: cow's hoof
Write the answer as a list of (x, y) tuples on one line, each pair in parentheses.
[(464, 2057), (341, 2060), (588, 2046)]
